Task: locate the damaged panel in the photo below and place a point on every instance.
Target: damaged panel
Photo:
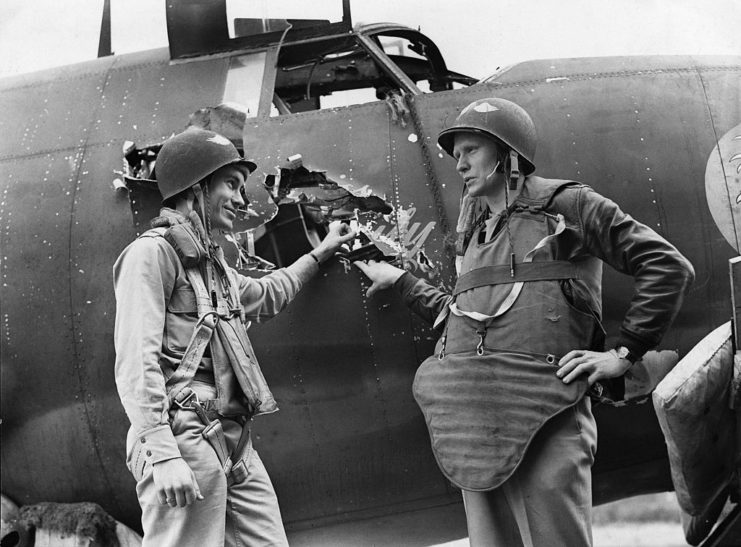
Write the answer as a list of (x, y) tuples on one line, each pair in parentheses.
[(372, 153), (352, 409)]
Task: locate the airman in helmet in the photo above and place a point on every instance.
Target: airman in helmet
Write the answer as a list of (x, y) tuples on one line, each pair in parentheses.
[(185, 370), (507, 394)]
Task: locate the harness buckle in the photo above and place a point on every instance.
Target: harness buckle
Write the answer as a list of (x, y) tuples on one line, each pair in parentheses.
[(209, 319), (182, 402)]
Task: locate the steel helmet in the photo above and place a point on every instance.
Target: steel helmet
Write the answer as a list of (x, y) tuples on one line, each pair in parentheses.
[(498, 118), (189, 157)]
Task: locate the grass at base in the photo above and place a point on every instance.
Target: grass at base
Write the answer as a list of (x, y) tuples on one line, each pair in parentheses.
[(661, 507)]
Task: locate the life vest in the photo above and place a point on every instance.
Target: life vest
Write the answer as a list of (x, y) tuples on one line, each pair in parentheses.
[(241, 387), (492, 383)]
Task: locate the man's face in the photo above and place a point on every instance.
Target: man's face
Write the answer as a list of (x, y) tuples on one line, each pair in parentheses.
[(477, 158), (225, 196)]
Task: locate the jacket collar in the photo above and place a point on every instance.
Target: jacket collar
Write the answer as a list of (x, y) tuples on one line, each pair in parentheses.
[(169, 217)]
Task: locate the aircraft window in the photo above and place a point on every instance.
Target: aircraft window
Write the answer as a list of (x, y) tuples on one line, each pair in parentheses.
[(349, 97), (395, 46), (338, 72), (244, 80), (400, 49)]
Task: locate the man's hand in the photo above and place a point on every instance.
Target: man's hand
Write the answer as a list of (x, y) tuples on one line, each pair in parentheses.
[(338, 234), (175, 483), (597, 365), (382, 274)]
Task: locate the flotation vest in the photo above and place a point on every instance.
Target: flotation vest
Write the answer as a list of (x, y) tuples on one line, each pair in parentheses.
[(492, 384), (240, 385)]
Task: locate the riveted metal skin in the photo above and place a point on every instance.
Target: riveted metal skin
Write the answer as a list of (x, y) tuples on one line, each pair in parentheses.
[(349, 441), (191, 156), (501, 119)]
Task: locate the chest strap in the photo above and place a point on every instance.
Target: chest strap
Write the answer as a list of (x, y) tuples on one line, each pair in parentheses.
[(186, 371), (524, 272), (514, 292)]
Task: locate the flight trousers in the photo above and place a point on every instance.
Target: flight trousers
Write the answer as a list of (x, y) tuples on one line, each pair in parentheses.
[(547, 501), (241, 514)]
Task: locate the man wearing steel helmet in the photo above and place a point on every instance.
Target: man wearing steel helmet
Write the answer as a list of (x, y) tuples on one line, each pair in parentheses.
[(504, 394), (185, 369)]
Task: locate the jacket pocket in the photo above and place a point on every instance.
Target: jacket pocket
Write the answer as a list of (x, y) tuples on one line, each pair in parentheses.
[(182, 314)]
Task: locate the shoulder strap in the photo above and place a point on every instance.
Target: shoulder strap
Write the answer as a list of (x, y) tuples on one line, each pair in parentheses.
[(525, 271), (203, 331)]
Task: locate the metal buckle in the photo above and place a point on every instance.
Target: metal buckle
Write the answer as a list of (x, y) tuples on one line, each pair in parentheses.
[(209, 319), (180, 403)]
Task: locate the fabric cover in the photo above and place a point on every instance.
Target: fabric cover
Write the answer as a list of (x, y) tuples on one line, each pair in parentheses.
[(692, 404), (482, 411)]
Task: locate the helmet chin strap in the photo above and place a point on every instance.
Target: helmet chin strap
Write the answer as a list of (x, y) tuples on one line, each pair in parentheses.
[(514, 170), (202, 213), (494, 170)]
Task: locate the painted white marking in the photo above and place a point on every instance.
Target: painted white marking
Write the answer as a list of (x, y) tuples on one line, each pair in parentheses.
[(218, 139), (485, 107)]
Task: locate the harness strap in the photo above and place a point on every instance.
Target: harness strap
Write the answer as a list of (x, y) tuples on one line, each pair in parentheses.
[(511, 279), (524, 271), (516, 286), (232, 337), (186, 371), (234, 464)]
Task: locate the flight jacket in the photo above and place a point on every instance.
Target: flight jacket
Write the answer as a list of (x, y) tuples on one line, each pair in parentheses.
[(153, 327), (594, 227)]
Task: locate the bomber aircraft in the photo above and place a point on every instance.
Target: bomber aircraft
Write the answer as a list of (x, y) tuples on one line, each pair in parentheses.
[(342, 122)]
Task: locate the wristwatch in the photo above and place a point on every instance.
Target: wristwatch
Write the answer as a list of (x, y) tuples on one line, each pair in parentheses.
[(624, 353)]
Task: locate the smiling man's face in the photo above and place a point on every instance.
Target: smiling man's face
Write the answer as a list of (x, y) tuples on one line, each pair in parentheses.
[(225, 196)]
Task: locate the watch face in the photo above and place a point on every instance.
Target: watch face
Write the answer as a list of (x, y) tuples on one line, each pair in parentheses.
[(624, 353)]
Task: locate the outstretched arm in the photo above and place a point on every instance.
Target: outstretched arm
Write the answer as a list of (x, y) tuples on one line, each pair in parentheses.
[(337, 235), (265, 297), (382, 274), (422, 298)]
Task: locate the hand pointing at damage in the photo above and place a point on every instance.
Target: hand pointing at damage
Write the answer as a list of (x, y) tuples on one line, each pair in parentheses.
[(382, 274)]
